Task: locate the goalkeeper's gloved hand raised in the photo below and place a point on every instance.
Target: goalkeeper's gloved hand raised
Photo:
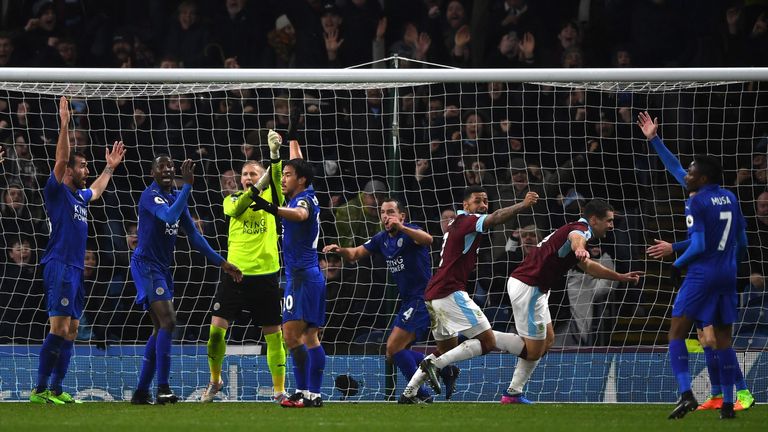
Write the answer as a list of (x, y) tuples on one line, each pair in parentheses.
[(274, 140), (260, 203), (262, 184), (675, 276)]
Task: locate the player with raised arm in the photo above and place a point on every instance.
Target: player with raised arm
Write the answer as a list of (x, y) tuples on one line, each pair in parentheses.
[(161, 210), (450, 309), (530, 283), (304, 298), (717, 241), (252, 247), (406, 249), (66, 202)]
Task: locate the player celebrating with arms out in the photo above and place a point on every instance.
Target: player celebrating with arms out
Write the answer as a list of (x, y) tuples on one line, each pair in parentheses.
[(66, 202), (161, 211), (304, 298), (529, 285), (717, 240), (406, 249), (252, 248), (450, 309)]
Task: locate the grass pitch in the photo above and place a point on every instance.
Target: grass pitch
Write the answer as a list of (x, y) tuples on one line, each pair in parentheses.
[(359, 417)]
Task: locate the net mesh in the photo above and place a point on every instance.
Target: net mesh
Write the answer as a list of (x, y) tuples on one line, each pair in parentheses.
[(568, 141)]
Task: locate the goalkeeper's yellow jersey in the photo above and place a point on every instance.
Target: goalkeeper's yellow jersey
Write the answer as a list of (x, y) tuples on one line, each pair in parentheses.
[(252, 242)]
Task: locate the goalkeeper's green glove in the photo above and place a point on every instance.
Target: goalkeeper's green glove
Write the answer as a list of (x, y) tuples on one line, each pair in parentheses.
[(274, 140)]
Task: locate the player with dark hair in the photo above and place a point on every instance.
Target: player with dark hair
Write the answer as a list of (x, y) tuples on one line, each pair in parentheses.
[(405, 246), (161, 210), (450, 309), (717, 241), (66, 202), (304, 298), (530, 283), (252, 247)]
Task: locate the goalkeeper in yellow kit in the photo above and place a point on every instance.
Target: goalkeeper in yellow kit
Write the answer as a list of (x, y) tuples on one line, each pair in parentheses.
[(252, 247)]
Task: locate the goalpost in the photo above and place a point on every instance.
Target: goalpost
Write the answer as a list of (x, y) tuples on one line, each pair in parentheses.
[(424, 134)]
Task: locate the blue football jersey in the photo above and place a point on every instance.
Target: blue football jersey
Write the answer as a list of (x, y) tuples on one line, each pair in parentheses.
[(300, 238), (408, 262), (715, 212), (68, 215), (157, 238)]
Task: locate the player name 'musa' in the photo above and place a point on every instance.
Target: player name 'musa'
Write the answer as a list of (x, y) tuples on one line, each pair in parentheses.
[(720, 200)]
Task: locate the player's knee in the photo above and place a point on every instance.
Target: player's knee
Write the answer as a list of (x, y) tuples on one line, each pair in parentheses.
[(168, 324), (292, 340)]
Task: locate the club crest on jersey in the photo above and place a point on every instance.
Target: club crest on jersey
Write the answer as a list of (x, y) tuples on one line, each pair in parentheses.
[(159, 200), (216, 306), (159, 291), (400, 242), (65, 301), (689, 221)]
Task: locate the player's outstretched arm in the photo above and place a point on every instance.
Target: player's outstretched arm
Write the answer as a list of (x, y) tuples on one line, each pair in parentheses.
[(113, 159), (502, 215), (650, 129), (662, 249), (293, 214), (600, 271), (349, 254), (274, 140), (295, 150), (579, 246), (62, 144)]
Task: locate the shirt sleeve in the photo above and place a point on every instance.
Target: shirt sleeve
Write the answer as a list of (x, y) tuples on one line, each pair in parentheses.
[(169, 214), (374, 244), (695, 220), (196, 240), (87, 194)]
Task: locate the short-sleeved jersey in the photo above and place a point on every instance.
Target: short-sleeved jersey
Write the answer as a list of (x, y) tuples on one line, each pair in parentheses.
[(157, 239), (552, 257), (408, 262), (715, 212), (458, 257), (68, 215), (300, 238), (252, 240)]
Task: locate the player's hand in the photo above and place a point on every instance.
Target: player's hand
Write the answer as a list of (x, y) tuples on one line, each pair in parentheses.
[(581, 254), (64, 110), (660, 249), (274, 140), (392, 224), (188, 172), (648, 126), (331, 248), (675, 276), (530, 199), (233, 271), (260, 203), (632, 277), (114, 157), (263, 182)]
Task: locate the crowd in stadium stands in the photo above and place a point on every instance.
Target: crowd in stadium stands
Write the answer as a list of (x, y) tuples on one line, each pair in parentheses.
[(567, 145)]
